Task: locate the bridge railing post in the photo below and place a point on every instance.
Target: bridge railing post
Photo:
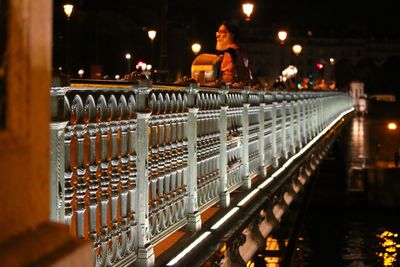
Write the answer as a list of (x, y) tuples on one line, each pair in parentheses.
[(194, 220), (246, 182), (309, 118), (297, 112), (292, 145), (57, 155), (302, 120), (223, 157), (261, 142), (315, 114), (284, 151), (274, 152), (322, 111), (145, 252)]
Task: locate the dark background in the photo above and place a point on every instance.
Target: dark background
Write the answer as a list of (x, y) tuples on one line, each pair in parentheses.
[(102, 32)]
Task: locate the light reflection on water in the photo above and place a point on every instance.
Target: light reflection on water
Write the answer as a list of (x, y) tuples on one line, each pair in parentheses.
[(389, 246), (363, 246), (364, 230)]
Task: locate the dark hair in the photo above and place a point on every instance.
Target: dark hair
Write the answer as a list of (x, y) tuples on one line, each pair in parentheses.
[(232, 28)]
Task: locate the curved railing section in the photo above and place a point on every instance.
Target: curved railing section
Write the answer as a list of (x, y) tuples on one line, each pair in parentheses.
[(134, 162)]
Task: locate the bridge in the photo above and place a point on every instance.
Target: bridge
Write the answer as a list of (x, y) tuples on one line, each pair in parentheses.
[(156, 174)]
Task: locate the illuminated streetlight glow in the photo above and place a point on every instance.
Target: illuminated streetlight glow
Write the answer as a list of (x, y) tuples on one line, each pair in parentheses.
[(282, 35), (141, 65), (128, 56), (289, 72), (117, 77), (392, 126), (81, 72), (68, 8), (297, 49), (332, 61), (152, 34), (196, 47), (247, 9)]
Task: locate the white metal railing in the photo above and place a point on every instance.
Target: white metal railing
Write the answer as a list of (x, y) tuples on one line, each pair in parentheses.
[(133, 163)]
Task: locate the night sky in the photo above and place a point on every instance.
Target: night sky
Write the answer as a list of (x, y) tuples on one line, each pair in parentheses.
[(101, 32)]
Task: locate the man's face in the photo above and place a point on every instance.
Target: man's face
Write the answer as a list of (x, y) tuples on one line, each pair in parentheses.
[(224, 38)]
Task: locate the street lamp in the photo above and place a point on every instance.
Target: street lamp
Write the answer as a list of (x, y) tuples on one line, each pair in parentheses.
[(282, 35), (247, 8), (196, 47), (68, 8), (128, 58), (392, 126), (152, 34), (297, 49), (80, 73)]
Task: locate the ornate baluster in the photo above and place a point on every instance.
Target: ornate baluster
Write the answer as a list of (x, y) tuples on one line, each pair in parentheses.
[(179, 137), (124, 159), (104, 179), (153, 168), (174, 161), (132, 178), (124, 174), (68, 190), (165, 180), (81, 186), (161, 159), (115, 177), (93, 181)]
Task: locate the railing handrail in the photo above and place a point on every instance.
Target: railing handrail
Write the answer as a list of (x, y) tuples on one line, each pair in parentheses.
[(134, 162)]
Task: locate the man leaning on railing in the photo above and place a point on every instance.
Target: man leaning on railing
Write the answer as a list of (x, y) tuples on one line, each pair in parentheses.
[(231, 65)]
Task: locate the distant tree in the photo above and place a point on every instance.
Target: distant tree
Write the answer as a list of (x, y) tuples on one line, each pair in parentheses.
[(344, 72), (370, 74), (375, 81), (390, 68)]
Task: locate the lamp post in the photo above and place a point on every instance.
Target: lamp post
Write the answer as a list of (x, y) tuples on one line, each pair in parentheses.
[(68, 9), (297, 51), (152, 35), (282, 35), (128, 57), (247, 8)]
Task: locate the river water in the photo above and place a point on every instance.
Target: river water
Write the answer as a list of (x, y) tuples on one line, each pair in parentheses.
[(356, 221)]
